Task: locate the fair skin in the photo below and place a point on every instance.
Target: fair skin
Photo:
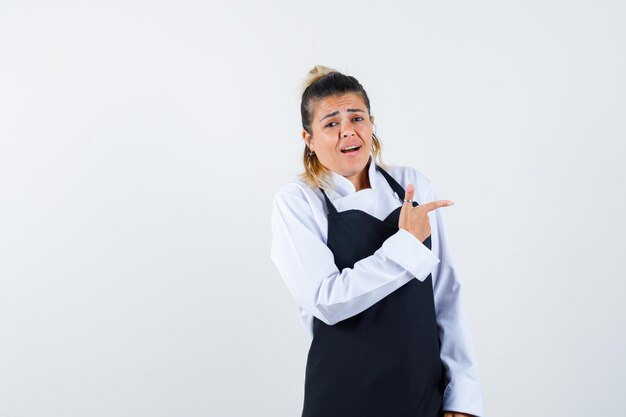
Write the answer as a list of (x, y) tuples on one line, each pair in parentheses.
[(340, 121)]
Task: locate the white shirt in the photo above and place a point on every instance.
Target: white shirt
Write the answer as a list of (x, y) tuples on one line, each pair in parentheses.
[(307, 266)]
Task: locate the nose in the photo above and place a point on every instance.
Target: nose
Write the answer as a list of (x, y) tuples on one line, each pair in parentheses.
[(347, 132)]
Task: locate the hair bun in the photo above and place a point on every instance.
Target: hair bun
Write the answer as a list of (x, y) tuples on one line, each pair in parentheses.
[(315, 74)]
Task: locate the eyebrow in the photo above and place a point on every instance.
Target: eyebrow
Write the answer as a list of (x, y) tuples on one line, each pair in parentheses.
[(336, 112)]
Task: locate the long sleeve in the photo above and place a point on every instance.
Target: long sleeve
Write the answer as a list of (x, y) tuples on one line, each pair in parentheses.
[(463, 392), (308, 268)]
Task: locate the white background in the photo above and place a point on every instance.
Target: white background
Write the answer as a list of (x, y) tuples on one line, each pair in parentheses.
[(141, 143)]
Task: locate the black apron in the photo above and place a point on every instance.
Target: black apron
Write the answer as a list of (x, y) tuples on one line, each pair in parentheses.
[(384, 361)]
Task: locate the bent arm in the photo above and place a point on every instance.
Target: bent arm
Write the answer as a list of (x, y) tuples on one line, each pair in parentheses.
[(308, 268)]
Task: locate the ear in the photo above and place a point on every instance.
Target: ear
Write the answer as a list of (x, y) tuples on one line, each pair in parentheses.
[(306, 136), (372, 119)]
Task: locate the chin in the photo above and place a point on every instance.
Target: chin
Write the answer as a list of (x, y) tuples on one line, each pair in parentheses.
[(355, 166)]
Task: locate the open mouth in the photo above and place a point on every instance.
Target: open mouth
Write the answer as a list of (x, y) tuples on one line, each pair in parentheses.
[(350, 149)]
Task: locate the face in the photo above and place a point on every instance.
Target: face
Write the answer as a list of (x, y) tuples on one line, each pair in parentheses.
[(340, 122)]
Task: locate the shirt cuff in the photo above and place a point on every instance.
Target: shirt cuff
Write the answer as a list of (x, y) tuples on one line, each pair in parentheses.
[(407, 251), (464, 396)]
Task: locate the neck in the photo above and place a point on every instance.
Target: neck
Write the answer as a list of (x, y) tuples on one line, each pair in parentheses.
[(361, 180)]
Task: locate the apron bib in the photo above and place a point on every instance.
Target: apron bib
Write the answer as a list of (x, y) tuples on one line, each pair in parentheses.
[(384, 361)]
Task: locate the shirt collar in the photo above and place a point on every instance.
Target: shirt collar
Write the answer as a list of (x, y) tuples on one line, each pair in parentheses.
[(343, 186)]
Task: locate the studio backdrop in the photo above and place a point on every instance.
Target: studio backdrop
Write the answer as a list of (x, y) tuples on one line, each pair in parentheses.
[(141, 144)]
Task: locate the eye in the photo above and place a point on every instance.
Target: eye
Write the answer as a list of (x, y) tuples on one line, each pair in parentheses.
[(359, 118), (329, 124)]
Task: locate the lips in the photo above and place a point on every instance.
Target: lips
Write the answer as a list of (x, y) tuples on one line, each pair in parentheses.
[(350, 144)]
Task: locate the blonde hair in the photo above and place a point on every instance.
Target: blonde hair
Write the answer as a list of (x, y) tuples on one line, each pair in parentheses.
[(322, 82)]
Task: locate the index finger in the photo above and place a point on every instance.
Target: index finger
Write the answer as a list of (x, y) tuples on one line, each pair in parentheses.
[(432, 205)]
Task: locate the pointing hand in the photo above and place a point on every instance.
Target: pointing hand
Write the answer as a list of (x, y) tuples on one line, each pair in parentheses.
[(415, 219)]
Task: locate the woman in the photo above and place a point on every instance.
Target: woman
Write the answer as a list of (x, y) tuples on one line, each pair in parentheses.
[(377, 292)]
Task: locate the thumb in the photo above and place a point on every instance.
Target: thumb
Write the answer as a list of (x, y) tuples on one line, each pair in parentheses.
[(408, 195)]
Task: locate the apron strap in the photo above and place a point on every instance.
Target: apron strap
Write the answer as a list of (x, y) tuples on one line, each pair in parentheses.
[(332, 211), (393, 183)]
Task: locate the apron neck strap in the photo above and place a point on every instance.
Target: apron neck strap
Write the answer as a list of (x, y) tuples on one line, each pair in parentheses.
[(390, 180), (332, 211)]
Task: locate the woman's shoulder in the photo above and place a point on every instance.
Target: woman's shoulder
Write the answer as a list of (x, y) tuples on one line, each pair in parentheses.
[(295, 188), (297, 192)]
